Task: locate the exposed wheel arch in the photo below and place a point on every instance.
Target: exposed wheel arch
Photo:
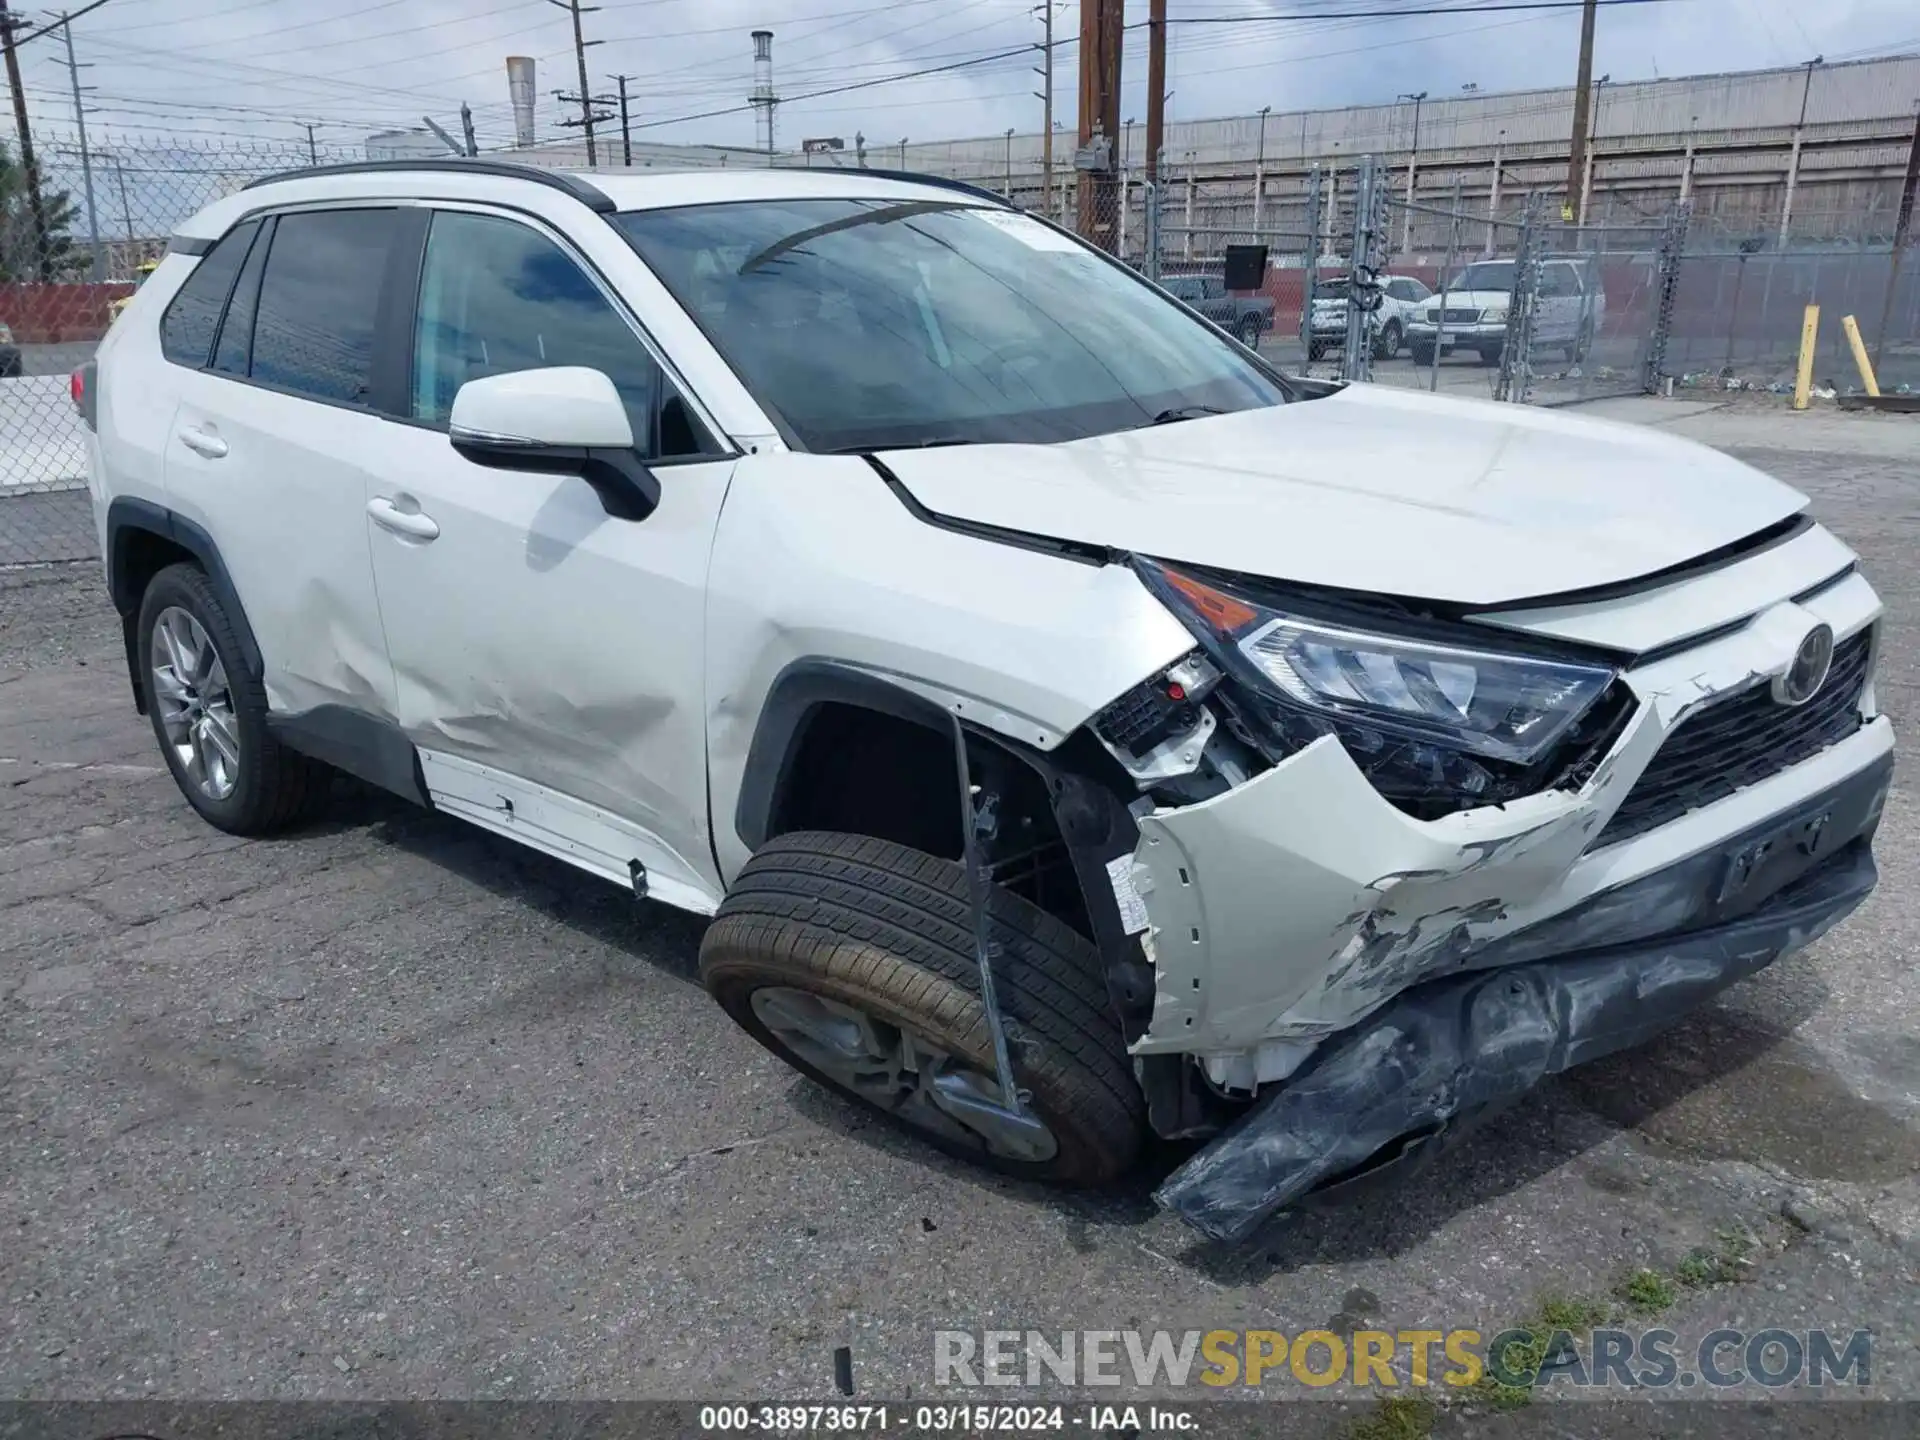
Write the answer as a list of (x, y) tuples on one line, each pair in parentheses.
[(142, 540), (840, 749)]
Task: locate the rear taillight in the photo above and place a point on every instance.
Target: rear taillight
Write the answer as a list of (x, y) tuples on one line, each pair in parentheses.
[(84, 386)]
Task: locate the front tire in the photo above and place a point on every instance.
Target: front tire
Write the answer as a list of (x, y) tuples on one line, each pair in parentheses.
[(1490, 354), (1422, 354), (1248, 331), (1316, 351), (852, 959), (1387, 345), (210, 715)]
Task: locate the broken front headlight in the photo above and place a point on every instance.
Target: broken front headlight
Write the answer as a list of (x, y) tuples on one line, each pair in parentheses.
[(1418, 715)]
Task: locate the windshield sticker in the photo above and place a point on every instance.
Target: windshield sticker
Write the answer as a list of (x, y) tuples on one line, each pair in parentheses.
[(1029, 231)]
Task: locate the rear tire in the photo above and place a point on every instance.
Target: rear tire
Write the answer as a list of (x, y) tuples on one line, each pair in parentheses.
[(263, 786), (1248, 331), (860, 924), (1316, 351), (1422, 354), (1490, 354)]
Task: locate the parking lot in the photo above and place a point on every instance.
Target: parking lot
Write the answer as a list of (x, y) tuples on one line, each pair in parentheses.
[(393, 1108)]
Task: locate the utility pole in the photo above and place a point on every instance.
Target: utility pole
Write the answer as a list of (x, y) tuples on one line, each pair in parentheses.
[(1102, 31), (27, 164), (99, 270), (1045, 71), (313, 150), (1156, 85), (587, 117), (1902, 233), (466, 130), (1793, 160), (1413, 161), (626, 131), (1260, 168), (1582, 86)]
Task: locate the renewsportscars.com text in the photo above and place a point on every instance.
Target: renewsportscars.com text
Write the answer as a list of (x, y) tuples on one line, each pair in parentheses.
[(1378, 1359)]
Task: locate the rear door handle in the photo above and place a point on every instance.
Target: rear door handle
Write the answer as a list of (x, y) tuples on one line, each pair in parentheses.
[(410, 523), (203, 442)]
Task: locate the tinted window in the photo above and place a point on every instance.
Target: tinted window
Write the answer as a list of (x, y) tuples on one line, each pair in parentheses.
[(872, 324), (1417, 289), (1558, 280), (319, 302), (187, 329), (1182, 288), (231, 355), (496, 296)]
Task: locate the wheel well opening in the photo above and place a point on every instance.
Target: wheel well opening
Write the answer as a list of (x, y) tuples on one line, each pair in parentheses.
[(138, 556), (861, 772)]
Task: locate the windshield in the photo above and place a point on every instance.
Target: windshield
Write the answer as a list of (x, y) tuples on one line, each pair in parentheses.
[(869, 324), (1491, 275)]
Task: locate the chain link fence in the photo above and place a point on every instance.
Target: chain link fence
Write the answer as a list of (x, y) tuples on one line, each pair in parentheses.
[(1740, 299)]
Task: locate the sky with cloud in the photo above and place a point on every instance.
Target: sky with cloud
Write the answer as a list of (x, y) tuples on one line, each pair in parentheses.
[(227, 69)]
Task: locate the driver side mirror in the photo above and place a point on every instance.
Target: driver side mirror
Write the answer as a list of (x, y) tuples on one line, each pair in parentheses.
[(564, 420)]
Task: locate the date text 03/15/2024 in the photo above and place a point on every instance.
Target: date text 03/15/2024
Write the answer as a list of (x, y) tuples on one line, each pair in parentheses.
[(958, 1419)]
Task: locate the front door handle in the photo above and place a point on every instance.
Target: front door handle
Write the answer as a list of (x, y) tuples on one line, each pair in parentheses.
[(410, 523), (203, 442)]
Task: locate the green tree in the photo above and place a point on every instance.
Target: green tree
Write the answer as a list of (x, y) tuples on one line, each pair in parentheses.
[(19, 248)]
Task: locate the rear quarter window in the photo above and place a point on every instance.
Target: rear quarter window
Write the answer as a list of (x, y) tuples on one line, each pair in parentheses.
[(192, 319)]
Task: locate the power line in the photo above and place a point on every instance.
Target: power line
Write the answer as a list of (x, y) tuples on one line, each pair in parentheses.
[(20, 40), (1392, 14)]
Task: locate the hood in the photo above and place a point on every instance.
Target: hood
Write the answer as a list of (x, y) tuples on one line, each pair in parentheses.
[(1388, 491), (1469, 299)]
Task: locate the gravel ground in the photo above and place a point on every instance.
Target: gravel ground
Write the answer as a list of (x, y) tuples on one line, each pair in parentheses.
[(394, 1109)]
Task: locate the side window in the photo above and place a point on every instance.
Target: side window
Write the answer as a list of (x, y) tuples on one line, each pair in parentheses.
[(1183, 289), (235, 348), (319, 303), (1559, 280), (1399, 290), (1417, 289), (497, 296), (187, 329)]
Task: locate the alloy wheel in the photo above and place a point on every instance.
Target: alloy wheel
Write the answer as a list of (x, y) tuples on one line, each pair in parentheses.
[(195, 703), (899, 1071)]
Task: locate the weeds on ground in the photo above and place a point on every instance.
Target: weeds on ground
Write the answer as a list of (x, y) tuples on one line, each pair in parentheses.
[(1395, 1417)]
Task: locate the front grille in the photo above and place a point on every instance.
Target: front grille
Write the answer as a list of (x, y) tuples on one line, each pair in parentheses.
[(1461, 317), (1740, 741)]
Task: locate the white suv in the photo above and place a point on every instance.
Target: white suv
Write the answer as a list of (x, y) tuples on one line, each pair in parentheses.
[(820, 552), (1568, 312)]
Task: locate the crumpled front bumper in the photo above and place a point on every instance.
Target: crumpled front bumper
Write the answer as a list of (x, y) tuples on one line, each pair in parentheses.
[(1451, 1051)]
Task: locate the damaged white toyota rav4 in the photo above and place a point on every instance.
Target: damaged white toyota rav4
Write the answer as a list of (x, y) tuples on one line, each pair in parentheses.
[(1077, 730)]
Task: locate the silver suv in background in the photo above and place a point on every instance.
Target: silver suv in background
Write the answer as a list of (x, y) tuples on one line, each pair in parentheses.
[(1570, 308)]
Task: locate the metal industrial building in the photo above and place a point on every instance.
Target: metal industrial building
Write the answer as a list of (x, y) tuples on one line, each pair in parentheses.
[(1810, 153)]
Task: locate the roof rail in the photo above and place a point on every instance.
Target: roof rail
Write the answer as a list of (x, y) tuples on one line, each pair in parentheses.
[(590, 196), (938, 182)]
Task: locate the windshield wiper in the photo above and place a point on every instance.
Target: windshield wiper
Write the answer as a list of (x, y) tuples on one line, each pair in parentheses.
[(1184, 412), (933, 443)]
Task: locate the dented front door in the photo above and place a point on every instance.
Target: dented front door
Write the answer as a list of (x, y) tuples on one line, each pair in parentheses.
[(533, 636), (536, 635)]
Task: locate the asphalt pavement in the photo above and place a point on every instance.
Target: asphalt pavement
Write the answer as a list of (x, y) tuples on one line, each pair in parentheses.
[(393, 1108)]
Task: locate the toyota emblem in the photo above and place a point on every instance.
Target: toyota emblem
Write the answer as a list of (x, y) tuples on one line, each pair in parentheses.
[(1802, 680)]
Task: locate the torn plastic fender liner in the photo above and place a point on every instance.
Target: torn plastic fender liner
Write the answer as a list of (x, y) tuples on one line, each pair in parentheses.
[(1454, 1048)]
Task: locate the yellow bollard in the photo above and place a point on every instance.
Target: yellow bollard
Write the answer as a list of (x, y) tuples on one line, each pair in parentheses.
[(1860, 354), (1809, 337)]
